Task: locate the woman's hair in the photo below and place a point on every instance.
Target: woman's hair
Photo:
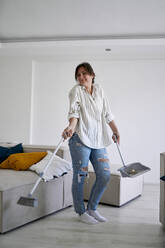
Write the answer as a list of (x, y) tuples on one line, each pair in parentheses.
[(88, 68)]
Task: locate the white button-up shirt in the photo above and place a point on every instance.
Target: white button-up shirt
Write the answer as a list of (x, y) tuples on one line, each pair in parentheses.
[(93, 113)]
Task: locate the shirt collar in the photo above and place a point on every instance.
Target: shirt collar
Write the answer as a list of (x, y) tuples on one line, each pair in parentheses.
[(83, 87)]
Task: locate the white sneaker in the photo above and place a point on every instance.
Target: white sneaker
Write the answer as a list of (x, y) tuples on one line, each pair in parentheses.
[(96, 215), (86, 218)]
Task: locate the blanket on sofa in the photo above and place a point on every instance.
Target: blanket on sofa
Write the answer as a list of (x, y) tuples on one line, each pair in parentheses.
[(57, 168)]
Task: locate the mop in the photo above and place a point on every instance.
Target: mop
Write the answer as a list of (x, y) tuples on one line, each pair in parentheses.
[(133, 169), (29, 200)]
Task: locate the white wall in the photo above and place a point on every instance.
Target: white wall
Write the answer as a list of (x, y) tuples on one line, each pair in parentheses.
[(135, 89), (15, 98)]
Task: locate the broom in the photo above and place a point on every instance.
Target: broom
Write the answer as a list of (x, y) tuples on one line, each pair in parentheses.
[(29, 200)]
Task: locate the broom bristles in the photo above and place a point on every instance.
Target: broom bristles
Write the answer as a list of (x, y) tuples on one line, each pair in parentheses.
[(29, 202)]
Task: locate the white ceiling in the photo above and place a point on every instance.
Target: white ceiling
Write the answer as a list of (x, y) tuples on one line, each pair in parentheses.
[(131, 28), (71, 19)]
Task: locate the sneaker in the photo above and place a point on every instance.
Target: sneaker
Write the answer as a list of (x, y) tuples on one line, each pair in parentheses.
[(86, 218), (96, 215)]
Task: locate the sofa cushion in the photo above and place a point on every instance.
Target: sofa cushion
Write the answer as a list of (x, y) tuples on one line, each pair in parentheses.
[(57, 168), (5, 152), (22, 161)]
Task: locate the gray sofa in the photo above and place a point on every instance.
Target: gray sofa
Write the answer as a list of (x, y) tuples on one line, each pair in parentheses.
[(52, 196), (162, 190)]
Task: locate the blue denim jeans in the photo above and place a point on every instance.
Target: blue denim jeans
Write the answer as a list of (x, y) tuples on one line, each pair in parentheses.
[(81, 155)]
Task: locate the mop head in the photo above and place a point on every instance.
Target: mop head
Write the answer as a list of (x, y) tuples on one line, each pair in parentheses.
[(28, 201)]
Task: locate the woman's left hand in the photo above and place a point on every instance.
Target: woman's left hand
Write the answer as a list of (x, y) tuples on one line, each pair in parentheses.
[(116, 137)]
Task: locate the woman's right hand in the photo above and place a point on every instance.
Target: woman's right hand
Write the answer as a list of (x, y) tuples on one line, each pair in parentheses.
[(68, 132)]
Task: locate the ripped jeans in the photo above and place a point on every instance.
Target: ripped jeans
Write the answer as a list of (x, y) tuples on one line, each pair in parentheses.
[(81, 155)]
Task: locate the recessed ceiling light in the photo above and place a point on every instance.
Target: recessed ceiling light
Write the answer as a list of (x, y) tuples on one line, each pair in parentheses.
[(107, 49)]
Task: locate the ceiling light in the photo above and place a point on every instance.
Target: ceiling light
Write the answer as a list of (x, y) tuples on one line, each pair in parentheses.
[(107, 49)]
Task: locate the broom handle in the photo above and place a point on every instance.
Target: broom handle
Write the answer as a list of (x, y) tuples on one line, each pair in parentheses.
[(46, 167), (119, 151)]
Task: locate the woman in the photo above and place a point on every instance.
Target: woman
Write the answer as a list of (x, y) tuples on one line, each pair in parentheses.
[(89, 116)]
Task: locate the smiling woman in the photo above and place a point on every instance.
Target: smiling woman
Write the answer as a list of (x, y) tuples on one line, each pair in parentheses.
[(83, 71), (89, 117)]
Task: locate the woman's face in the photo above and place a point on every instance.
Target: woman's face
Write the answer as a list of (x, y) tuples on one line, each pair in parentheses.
[(83, 77)]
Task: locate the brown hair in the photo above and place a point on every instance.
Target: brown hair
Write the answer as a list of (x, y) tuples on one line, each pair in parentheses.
[(88, 68)]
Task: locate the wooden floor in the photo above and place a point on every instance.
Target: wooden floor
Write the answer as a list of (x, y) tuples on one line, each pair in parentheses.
[(135, 225)]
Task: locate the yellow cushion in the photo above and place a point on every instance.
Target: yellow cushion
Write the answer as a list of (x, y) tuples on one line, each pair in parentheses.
[(22, 161)]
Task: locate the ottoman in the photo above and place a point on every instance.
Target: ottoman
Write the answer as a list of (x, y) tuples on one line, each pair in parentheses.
[(119, 190)]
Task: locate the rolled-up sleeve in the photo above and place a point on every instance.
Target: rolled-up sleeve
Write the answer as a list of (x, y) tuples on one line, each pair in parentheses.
[(74, 104), (107, 110)]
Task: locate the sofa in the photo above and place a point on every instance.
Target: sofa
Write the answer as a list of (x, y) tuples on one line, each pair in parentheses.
[(162, 190), (119, 190), (52, 196)]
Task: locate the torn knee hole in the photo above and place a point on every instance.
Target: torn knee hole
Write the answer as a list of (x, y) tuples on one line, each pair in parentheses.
[(84, 169), (103, 159), (107, 169), (83, 172)]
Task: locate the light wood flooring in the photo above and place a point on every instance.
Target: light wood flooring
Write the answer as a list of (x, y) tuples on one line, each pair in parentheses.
[(135, 225)]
